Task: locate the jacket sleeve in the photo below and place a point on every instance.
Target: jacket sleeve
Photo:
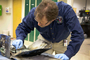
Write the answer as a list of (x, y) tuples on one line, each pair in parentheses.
[(25, 26), (77, 35)]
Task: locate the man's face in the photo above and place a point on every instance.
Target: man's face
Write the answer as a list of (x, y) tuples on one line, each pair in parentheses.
[(43, 23)]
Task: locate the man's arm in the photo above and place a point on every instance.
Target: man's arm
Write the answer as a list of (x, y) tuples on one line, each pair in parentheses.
[(23, 29), (26, 26), (77, 35)]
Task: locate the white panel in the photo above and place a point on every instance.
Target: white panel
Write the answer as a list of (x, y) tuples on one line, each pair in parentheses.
[(23, 9), (70, 2)]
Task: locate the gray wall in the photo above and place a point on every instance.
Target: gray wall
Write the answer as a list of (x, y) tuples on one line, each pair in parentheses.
[(80, 4)]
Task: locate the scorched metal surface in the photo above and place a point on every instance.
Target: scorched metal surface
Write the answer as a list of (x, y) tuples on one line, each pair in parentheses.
[(32, 53), (38, 57)]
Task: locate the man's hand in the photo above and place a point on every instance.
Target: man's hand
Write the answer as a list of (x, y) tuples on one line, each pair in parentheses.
[(61, 56), (17, 43)]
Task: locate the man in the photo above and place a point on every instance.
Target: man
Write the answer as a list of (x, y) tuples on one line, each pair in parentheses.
[(54, 21)]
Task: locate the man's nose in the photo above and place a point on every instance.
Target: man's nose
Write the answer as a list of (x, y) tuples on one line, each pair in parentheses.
[(39, 24)]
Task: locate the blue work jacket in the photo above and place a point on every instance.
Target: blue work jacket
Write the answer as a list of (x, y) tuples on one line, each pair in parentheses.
[(57, 30)]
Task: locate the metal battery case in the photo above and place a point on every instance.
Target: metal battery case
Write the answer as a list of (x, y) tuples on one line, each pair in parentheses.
[(5, 45)]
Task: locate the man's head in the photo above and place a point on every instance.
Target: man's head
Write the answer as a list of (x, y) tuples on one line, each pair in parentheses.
[(46, 12)]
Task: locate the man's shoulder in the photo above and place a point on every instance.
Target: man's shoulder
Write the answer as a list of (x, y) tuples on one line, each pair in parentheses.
[(33, 9), (31, 12), (62, 4)]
